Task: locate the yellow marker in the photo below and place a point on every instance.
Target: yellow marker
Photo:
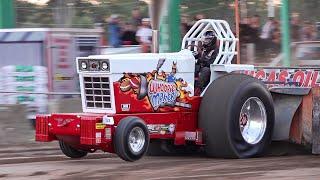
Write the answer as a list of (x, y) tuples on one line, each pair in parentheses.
[(100, 126)]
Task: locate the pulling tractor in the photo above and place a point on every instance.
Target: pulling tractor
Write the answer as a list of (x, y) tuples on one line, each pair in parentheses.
[(135, 104)]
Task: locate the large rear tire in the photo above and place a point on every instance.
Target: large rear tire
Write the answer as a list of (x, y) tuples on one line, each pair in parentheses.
[(131, 139), (237, 116), (70, 151)]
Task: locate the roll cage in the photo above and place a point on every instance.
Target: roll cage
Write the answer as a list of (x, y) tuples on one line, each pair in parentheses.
[(227, 40)]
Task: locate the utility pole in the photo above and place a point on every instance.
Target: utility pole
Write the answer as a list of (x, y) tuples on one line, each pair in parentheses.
[(7, 14), (170, 36), (64, 13), (237, 20), (57, 11), (285, 29)]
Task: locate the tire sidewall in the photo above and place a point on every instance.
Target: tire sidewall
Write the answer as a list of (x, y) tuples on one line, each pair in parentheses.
[(122, 142), (126, 140), (246, 90)]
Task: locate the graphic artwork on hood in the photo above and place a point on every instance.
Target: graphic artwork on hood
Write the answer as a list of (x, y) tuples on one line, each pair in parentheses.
[(157, 88)]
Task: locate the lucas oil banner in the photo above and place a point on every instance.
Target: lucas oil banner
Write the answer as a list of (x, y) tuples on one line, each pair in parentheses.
[(297, 77)]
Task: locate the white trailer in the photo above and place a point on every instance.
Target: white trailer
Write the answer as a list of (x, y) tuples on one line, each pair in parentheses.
[(53, 48)]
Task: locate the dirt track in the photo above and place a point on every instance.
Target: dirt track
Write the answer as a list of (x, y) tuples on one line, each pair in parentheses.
[(50, 164)]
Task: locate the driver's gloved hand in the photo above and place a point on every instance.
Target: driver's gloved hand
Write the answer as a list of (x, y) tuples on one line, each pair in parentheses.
[(195, 53)]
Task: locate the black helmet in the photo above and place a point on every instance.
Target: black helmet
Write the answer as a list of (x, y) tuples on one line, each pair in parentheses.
[(209, 39)]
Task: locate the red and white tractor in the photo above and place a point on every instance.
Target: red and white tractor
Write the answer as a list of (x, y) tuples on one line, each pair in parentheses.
[(135, 104)]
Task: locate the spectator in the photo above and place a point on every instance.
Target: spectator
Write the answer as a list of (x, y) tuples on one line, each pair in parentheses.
[(185, 25), (250, 30), (309, 32), (276, 38), (129, 35), (255, 28), (114, 31), (266, 44), (199, 17), (246, 31), (295, 28), (144, 35), (267, 29), (255, 23), (245, 20), (136, 18)]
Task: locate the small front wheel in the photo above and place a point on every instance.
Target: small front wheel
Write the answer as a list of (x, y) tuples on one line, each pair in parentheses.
[(131, 138)]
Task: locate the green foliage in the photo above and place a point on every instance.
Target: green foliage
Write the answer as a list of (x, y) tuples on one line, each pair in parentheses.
[(213, 9), (307, 9), (83, 21), (31, 15), (86, 13)]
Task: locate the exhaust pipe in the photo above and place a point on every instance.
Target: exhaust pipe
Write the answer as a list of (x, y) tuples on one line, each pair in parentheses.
[(155, 9)]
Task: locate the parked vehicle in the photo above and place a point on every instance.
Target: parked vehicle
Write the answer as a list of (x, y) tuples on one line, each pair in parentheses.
[(306, 53)]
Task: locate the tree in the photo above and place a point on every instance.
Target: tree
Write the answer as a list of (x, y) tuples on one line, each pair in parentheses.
[(85, 14), (31, 15)]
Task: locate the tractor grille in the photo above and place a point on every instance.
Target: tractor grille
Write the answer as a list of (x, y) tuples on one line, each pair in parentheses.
[(97, 92)]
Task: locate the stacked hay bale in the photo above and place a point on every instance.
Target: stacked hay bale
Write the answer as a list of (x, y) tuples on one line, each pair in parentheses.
[(25, 79)]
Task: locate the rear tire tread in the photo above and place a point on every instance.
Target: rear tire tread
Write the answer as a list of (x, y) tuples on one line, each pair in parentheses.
[(70, 151), (219, 116)]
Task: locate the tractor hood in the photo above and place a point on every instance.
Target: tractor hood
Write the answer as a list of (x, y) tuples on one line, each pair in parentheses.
[(184, 61)]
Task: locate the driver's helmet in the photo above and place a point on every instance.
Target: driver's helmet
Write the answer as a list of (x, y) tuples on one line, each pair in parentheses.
[(209, 39)]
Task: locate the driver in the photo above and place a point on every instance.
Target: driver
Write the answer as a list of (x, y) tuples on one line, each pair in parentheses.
[(205, 58)]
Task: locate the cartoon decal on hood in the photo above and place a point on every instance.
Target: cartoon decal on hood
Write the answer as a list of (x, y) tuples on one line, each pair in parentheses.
[(162, 89)]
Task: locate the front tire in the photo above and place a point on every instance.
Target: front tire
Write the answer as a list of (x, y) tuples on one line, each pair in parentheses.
[(237, 116), (70, 151), (131, 138)]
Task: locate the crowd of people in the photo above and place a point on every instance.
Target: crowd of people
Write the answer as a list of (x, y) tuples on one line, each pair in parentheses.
[(267, 37), (137, 31)]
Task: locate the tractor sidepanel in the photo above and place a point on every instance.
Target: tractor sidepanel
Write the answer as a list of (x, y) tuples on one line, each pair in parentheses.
[(291, 91), (305, 127), (65, 124), (316, 121), (42, 129), (285, 107)]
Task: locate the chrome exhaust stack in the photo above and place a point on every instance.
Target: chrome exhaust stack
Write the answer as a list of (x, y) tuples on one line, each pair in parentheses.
[(155, 9)]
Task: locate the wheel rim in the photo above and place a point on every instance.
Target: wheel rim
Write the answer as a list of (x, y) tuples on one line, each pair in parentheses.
[(136, 140), (253, 120)]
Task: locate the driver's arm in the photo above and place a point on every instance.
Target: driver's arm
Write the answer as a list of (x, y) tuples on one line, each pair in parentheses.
[(197, 54)]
